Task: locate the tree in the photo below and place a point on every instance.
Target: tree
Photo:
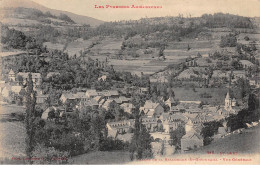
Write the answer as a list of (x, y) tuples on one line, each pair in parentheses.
[(141, 141), (49, 155), (229, 40), (162, 148), (253, 103), (30, 117), (176, 135), (188, 47)]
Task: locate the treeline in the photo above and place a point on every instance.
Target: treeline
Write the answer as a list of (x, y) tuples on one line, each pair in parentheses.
[(18, 40), (35, 14), (219, 20)]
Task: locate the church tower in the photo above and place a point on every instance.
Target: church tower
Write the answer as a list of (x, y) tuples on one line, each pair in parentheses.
[(228, 102), (170, 102), (189, 126)]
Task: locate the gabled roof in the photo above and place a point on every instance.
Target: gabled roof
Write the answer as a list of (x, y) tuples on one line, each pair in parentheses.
[(164, 116), (192, 135), (127, 105), (68, 96), (98, 98), (123, 99), (90, 102), (150, 105), (113, 92), (16, 89), (11, 72), (80, 95), (150, 113), (246, 62), (107, 102), (179, 116), (171, 99), (7, 87), (222, 131), (91, 93)]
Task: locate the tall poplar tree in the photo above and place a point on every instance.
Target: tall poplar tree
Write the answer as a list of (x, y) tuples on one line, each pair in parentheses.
[(140, 146), (30, 117)]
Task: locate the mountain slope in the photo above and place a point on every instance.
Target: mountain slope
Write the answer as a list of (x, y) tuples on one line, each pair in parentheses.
[(29, 4)]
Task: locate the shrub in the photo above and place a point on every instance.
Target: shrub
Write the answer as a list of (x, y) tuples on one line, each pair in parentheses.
[(49, 155)]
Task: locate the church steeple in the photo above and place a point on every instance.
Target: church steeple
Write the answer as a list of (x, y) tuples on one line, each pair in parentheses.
[(189, 126), (228, 102)]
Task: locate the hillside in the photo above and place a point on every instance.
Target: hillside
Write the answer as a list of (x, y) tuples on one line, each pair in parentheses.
[(8, 6)]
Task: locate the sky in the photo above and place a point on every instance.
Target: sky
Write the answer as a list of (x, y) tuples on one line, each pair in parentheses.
[(194, 8)]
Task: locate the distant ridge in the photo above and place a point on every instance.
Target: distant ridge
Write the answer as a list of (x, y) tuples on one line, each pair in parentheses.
[(80, 19)]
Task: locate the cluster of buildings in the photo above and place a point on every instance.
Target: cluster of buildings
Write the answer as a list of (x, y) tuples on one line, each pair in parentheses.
[(13, 89), (187, 114), (96, 99)]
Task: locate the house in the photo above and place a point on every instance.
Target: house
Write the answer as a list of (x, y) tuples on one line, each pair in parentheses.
[(180, 108), (151, 109), (219, 74), (124, 99), (51, 74), (2, 86), (128, 107), (90, 102), (102, 78), (11, 75), (254, 81), (98, 98), (81, 96), (6, 91), (246, 64), (67, 97), (170, 125), (40, 99), (144, 90), (119, 127), (237, 74), (121, 100), (151, 124), (36, 77), (91, 93), (70, 97), (109, 94), (57, 111), (170, 102), (192, 139), (101, 102), (16, 89), (106, 104)]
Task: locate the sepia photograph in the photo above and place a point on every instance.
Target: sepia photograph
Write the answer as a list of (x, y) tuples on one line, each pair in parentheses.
[(129, 82)]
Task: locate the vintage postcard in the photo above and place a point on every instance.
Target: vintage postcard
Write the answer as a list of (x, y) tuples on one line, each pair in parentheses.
[(129, 82)]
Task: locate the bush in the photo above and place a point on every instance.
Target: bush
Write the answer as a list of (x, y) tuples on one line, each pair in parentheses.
[(229, 40), (49, 155), (246, 38), (110, 144)]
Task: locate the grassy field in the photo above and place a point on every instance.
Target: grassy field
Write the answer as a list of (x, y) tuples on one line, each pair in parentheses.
[(247, 142), (218, 94), (8, 109), (12, 132), (102, 157), (12, 141)]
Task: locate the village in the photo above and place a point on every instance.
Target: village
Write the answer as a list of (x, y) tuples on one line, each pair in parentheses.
[(128, 90), (160, 117)]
